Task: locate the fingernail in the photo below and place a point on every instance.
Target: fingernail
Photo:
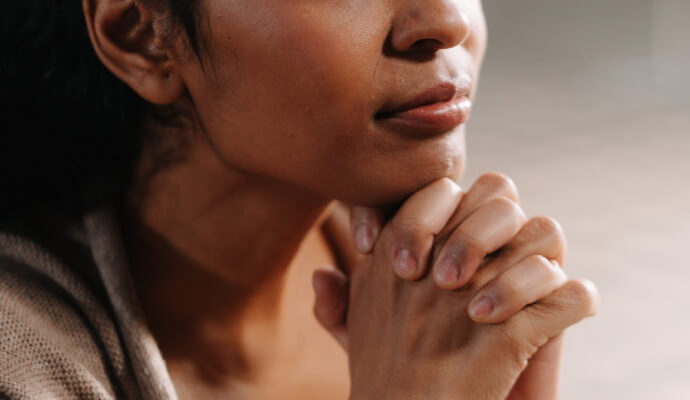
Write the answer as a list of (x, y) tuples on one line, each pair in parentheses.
[(448, 271), (364, 238), (481, 308), (404, 263)]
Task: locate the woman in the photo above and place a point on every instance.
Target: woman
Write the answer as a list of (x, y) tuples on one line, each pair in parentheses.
[(190, 163)]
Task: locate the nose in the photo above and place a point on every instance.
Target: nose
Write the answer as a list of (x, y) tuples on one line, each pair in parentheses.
[(429, 25)]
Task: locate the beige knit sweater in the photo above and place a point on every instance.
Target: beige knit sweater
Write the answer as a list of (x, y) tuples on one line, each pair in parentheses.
[(70, 323)]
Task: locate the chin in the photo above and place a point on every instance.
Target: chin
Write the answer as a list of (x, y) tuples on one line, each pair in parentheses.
[(382, 175), (379, 190)]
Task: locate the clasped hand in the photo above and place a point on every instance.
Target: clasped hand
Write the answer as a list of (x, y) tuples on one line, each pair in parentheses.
[(475, 308)]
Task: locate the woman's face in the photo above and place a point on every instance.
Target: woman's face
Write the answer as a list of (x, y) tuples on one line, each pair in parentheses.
[(295, 89)]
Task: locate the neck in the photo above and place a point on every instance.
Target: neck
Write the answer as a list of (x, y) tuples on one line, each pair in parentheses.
[(210, 248)]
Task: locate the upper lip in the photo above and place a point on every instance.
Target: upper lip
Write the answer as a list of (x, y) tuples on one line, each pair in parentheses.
[(440, 93)]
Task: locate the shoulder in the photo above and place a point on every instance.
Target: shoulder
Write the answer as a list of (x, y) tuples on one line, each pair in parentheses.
[(56, 337)]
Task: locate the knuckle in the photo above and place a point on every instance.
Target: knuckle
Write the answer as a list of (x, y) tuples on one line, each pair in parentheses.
[(411, 232), (510, 207), (466, 244), (507, 290), (546, 226), (549, 232), (548, 268), (541, 262), (499, 182), (407, 226), (449, 184), (503, 202), (583, 295)]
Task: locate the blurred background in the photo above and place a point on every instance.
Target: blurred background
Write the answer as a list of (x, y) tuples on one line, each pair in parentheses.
[(586, 105)]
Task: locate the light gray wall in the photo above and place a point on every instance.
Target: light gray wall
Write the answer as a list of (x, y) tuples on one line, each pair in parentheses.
[(586, 105), (592, 55), (671, 49)]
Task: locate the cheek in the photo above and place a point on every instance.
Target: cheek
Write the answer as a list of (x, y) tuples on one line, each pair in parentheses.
[(326, 76), (295, 59), (288, 92)]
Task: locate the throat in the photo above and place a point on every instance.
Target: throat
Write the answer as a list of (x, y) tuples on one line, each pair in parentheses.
[(274, 354)]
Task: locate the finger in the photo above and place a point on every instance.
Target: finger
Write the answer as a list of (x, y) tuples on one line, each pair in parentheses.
[(483, 232), (540, 235), (413, 227), (365, 224), (330, 306), (532, 327), (487, 187), (532, 279), (337, 232)]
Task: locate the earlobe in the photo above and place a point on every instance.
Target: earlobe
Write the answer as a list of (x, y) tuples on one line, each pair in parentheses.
[(126, 40)]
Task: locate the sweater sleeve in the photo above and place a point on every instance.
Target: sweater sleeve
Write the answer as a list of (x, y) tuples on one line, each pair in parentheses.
[(70, 323), (50, 347)]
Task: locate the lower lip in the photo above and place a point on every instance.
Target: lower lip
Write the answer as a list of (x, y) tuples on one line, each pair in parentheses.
[(432, 118)]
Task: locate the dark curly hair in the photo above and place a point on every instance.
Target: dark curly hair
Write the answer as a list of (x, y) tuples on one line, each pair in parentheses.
[(69, 135)]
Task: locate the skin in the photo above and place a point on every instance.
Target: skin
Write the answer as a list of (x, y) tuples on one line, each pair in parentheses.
[(523, 276), (453, 356), (276, 122)]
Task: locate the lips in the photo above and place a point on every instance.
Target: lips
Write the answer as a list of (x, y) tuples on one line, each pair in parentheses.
[(435, 110)]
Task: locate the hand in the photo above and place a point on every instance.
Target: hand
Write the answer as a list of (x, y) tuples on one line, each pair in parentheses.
[(542, 231), (492, 221), (486, 224)]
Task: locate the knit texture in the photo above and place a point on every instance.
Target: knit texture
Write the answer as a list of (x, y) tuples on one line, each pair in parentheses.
[(70, 324)]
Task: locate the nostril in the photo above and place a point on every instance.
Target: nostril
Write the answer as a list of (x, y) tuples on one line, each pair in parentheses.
[(421, 50), (438, 24), (427, 45)]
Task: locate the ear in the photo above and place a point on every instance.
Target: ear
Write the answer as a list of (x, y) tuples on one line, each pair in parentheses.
[(130, 45)]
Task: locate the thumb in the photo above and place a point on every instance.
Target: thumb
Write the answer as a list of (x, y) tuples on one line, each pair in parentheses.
[(365, 225), (330, 307)]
